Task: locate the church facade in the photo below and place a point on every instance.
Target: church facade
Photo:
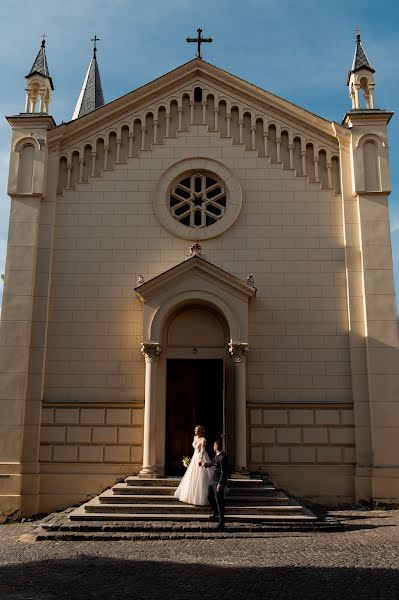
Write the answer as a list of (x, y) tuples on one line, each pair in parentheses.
[(198, 250)]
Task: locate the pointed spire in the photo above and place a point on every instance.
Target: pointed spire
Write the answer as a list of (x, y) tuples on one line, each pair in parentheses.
[(40, 66), (91, 95), (360, 60)]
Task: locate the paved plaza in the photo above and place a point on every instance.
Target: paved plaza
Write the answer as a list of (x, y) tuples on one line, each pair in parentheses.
[(360, 562)]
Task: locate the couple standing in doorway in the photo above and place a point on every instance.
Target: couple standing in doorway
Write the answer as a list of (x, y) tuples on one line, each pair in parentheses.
[(205, 480)]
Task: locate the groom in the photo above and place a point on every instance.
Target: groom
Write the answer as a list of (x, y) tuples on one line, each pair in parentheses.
[(218, 483)]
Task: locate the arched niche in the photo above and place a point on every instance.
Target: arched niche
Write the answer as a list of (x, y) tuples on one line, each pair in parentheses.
[(196, 327), (371, 170), (26, 164)]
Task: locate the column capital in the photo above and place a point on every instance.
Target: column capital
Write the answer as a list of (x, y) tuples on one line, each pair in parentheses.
[(238, 351), (150, 351)]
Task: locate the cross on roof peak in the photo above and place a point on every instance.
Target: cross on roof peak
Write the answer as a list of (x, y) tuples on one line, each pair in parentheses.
[(199, 40), (95, 39), (43, 40)]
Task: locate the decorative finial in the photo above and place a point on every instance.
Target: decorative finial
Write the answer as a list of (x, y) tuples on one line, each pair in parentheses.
[(95, 39), (199, 40), (357, 30), (251, 280), (43, 40), (140, 280)]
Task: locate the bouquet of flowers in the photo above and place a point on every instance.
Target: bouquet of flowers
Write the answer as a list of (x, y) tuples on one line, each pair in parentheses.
[(186, 461)]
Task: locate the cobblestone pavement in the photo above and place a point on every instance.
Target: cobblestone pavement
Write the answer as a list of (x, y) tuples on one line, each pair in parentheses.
[(362, 562)]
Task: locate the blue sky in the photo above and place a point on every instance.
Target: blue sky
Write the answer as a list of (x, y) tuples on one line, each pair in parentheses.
[(298, 50)]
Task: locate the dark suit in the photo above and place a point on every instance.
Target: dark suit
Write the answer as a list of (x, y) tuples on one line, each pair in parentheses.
[(219, 477)]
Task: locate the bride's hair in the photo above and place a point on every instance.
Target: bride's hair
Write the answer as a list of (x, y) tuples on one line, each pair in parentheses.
[(201, 430)]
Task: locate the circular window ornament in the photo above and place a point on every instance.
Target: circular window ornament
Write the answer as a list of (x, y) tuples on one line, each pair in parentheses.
[(197, 199)]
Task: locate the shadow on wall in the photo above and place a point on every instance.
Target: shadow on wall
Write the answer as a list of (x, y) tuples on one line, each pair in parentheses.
[(90, 578)]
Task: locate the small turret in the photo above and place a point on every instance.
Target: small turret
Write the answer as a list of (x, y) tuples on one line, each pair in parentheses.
[(91, 95), (361, 77), (39, 84)]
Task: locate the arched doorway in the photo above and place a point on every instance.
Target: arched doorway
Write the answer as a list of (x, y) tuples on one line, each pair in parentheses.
[(194, 284), (196, 341)]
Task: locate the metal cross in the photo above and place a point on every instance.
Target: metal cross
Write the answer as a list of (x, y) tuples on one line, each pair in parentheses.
[(199, 40), (357, 31), (95, 39), (43, 39)]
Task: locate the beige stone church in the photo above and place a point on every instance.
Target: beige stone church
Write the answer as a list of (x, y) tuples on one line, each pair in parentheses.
[(198, 251)]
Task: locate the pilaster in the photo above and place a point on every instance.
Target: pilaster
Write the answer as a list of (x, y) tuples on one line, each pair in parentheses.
[(380, 321), (18, 441)]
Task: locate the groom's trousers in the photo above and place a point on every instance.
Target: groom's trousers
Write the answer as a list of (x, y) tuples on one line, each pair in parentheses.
[(216, 500)]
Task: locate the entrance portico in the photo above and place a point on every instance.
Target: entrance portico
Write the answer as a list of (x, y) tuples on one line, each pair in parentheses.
[(195, 283)]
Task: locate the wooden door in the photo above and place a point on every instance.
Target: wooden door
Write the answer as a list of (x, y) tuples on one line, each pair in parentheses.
[(194, 396)]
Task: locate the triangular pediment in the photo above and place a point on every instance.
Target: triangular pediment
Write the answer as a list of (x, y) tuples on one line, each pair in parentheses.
[(189, 270), (196, 72)]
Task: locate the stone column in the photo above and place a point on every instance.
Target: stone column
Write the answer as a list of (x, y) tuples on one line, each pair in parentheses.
[(253, 137), (278, 149), (118, 150), (154, 140), (151, 352), (239, 352), (303, 158), (216, 111), (131, 138)]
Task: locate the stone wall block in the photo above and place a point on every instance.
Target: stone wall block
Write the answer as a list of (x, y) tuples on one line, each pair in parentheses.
[(342, 435), (301, 417), (106, 435), (327, 417), (329, 454), (117, 454), (53, 434), (275, 417), (67, 415), (289, 435), (263, 435), (65, 453), (91, 454), (301, 454), (92, 416), (315, 435)]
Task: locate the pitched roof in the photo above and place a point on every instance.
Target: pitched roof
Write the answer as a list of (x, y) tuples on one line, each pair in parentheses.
[(360, 60), (91, 95), (40, 66)]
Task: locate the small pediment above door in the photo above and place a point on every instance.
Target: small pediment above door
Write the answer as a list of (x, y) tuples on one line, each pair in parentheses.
[(192, 274)]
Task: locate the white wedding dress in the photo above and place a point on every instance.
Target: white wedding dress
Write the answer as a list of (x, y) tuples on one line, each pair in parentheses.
[(193, 488)]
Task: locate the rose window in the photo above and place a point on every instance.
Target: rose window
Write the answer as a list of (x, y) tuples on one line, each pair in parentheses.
[(198, 200)]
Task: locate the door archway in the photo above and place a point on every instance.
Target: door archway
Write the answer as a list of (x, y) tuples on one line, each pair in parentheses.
[(194, 283), (196, 339)]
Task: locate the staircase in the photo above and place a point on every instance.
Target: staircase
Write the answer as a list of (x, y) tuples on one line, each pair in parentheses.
[(247, 501), (146, 509)]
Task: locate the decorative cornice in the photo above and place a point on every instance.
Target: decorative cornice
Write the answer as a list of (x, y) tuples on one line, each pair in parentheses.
[(138, 100), (29, 119), (151, 351), (238, 351), (367, 117)]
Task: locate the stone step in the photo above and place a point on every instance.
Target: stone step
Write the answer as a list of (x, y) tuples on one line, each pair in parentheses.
[(134, 480), (81, 515), (95, 506), (163, 490), (110, 497)]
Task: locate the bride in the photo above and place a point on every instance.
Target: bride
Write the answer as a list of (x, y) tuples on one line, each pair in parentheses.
[(193, 488)]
